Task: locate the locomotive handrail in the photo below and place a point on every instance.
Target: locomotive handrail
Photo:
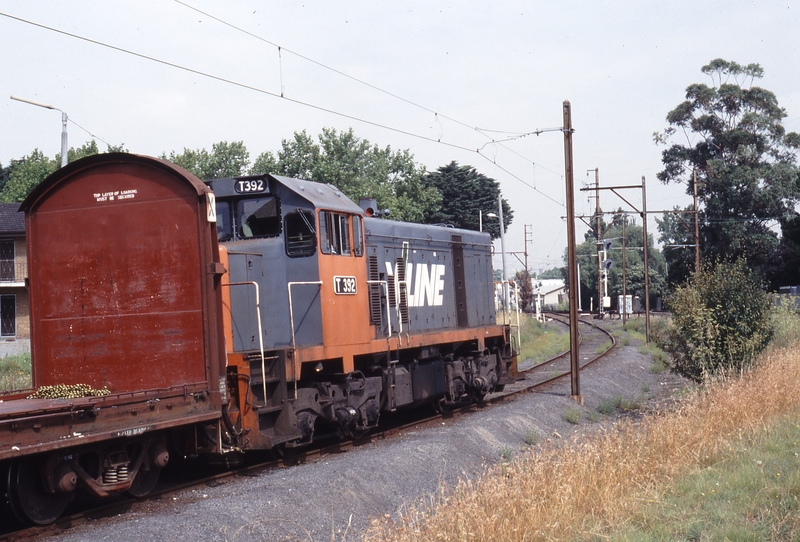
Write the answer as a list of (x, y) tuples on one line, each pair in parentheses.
[(260, 332), (291, 323)]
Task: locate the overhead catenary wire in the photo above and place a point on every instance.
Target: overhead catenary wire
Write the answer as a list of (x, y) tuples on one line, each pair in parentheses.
[(292, 100), (515, 135), (512, 135)]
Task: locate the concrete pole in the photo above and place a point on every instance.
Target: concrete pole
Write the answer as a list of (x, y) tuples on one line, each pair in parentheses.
[(64, 144)]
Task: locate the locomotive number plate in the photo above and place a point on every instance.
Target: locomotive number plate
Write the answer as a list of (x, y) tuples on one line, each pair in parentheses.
[(250, 186), (344, 285)]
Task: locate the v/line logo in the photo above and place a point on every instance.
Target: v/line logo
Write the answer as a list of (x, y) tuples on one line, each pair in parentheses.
[(425, 283)]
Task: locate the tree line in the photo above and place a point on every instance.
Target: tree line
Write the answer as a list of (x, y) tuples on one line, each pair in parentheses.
[(725, 141), (453, 194)]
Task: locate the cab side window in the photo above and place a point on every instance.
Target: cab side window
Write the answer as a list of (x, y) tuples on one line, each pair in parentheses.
[(224, 222), (258, 217), (334, 234), (358, 239), (301, 239)]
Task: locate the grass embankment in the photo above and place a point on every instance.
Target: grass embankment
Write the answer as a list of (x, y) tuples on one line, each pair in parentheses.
[(724, 464), (15, 372), (540, 341)]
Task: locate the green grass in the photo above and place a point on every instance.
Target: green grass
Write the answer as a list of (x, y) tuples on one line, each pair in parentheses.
[(610, 406), (603, 347), (541, 341), (751, 493), (15, 372)]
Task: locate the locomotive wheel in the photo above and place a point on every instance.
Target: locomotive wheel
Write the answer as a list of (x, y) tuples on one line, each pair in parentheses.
[(27, 498), (145, 481)]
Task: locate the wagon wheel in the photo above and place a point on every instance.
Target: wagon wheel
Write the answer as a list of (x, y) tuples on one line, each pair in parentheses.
[(28, 499), (145, 481)]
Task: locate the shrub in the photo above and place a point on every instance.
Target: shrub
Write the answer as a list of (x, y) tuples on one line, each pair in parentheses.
[(572, 415), (531, 437), (721, 321)]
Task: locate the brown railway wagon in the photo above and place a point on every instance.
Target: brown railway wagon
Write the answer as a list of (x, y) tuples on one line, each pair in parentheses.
[(125, 294)]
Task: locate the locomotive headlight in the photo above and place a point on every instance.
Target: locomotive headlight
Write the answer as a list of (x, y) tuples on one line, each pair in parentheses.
[(319, 367)]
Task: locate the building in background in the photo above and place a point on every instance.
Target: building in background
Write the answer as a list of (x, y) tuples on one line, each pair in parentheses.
[(14, 301)]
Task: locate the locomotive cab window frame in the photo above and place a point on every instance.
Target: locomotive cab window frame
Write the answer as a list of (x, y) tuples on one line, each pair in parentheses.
[(334, 233), (300, 237), (358, 236), (224, 221), (258, 217)]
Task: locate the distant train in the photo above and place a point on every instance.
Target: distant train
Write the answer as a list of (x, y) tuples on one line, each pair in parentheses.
[(213, 318)]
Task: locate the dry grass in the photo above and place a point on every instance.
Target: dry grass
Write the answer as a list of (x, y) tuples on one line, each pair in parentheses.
[(590, 488)]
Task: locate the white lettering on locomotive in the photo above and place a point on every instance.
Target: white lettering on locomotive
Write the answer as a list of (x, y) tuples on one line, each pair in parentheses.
[(425, 284)]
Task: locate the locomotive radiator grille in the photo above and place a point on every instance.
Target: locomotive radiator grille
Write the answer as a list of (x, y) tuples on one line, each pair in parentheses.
[(374, 292), (402, 287)]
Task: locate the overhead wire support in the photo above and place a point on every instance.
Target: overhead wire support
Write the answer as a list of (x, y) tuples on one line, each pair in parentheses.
[(643, 214)]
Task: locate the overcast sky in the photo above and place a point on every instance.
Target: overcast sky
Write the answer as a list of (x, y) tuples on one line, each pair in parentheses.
[(502, 67)]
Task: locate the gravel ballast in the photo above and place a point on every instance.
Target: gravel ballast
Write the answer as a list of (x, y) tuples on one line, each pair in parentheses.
[(336, 497)]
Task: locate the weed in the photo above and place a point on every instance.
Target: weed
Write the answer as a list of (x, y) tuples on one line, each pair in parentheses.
[(658, 367), (603, 347), (593, 416), (645, 387), (572, 415), (531, 437), (15, 372), (607, 407), (618, 402), (506, 453)]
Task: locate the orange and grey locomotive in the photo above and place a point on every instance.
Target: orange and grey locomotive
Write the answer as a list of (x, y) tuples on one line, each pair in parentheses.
[(211, 318)]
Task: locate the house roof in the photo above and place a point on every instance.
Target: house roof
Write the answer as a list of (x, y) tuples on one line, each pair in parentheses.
[(12, 221)]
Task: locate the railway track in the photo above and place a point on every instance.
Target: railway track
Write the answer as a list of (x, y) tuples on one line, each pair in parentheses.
[(531, 378)]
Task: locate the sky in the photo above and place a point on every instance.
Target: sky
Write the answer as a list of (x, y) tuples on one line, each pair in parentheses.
[(449, 81)]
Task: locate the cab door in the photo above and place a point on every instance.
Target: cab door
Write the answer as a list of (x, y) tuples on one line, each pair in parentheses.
[(343, 272)]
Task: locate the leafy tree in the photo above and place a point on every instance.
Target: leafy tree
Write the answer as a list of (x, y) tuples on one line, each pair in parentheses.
[(525, 286), (225, 160), (5, 174), (747, 178), (587, 255), (466, 193), (26, 173), (677, 236), (789, 252), (554, 273), (357, 168), (720, 321)]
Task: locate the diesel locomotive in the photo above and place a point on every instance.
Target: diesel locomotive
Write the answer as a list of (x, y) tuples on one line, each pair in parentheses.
[(249, 313)]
